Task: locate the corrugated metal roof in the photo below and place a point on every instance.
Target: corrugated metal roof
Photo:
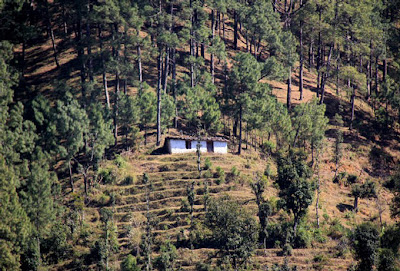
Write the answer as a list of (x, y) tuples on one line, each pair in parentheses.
[(196, 138)]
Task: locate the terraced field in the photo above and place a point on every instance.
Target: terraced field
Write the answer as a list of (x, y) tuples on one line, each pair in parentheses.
[(170, 176)]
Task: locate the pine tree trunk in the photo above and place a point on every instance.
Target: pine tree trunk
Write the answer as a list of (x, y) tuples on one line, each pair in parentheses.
[(139, 63), (191, 45), (71, 180), (296, 222), (89, 47), (355, 207), (116, 104), (85, 182), (166, 69), (51, 34), (301, 62), (105, 87), (326, 75), (353, 96), (311, 55), (159, 95), (369, 79), (384, 69), (240, 130), (337, 73), (289, 90), (65, 27), (212, 43), (81, 54), (376, 75)]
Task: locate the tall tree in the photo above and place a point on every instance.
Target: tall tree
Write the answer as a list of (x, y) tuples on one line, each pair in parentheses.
[(37, 198)]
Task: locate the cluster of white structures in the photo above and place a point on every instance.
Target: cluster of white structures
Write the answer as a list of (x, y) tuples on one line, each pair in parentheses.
[(186, 144)]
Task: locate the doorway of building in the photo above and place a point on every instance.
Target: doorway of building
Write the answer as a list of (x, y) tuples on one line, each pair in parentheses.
[(210, 146)]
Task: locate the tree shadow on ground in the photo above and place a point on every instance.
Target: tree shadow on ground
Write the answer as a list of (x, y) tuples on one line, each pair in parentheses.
[(342, 207)]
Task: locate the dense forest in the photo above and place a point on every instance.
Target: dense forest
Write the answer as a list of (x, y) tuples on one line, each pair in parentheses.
[(307, 92)]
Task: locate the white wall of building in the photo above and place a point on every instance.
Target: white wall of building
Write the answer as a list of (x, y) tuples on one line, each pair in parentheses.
[(179, 146), (220, 147)]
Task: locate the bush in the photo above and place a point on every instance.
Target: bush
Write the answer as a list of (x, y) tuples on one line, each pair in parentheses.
[(167, 258), (207, 164), (103, 199), (119, 161), (342, 247), (268, 171), (319, 236), (340, 177), (207, 174), (233, 175), (185, 206), (220, 174), (129, 264), (336, 229), (128, 180), (107, 176), (303, 237), (268, 147), (319, 261), (203, 267)]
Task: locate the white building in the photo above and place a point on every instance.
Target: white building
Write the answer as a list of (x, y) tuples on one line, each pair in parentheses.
[(185, 144)]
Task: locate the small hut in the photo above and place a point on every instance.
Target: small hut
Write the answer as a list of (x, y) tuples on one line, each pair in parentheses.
[(185, 144)]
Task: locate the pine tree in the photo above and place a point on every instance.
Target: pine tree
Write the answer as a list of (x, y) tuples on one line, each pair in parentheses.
[(358, 81), (68, 126), (15, 227), (289, 58), (37, 198), (128, 115), (146, 102)]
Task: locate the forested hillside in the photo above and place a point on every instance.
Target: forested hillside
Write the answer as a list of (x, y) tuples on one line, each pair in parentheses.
[(306, 92)]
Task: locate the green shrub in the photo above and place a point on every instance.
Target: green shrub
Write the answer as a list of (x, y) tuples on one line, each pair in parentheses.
[(185, 205), (319, 236), (349, 215), (268, 147), (233, 175), (319, 261), (342, 247), (119, 161), (167, 258), (336, 229), (103, 199), (207, 174), (129, 180), (207, 164), (340, 177), (220, 174), (268, 171), (107, 176), (303, 237), (200, 266), (235, 172), (129, 264)]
